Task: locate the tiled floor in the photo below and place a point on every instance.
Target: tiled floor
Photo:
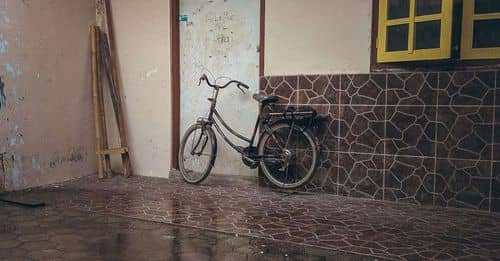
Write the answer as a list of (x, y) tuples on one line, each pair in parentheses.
[(236, 206), (56, 234)]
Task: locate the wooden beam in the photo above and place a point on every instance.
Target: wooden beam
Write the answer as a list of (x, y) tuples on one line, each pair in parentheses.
[(96, 99)]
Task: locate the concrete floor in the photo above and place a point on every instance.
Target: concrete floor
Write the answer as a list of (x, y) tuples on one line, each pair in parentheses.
[(225, 214)]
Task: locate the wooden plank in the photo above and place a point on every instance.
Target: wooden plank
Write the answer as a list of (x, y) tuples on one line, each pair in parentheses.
[(113, 151), (102, 113), (106, 66), (95, 99)]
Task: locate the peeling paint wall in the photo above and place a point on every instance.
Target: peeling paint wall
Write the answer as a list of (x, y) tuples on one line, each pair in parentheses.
[(220, 38), (317, 36), (46, 125), (142, 31)]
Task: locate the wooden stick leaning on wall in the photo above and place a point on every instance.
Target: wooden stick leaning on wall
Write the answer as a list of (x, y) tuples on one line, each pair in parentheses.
[(117, 85), (101, 64), (105, 144), (116, 79), (96, 100)]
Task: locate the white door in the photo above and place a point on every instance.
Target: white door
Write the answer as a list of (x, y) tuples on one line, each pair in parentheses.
[(220, 38)]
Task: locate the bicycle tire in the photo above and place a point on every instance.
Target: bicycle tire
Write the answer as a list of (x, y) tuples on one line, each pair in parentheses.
[(273, 177), (212, 147)]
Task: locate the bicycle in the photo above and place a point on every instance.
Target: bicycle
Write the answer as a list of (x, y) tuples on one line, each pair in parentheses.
[(286, 152)]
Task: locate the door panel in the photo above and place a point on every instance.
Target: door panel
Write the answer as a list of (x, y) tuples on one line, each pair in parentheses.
[(220, 38)]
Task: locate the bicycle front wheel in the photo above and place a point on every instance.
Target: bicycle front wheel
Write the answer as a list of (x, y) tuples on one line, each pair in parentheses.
[(289, 154), (197, 153)]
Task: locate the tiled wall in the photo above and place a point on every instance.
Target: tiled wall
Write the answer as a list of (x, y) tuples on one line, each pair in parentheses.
[(426, 138)]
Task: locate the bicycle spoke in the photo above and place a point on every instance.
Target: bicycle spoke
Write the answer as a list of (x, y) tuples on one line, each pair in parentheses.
[(289, 137), (277, 142)]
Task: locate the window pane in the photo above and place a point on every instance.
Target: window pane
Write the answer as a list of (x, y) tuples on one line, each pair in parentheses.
[(487, 6), (428, 35), (486, 33), (398, 9), (427, 7), (397, 38)]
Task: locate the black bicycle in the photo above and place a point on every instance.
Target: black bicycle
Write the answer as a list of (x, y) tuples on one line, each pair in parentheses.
[(287, 151)]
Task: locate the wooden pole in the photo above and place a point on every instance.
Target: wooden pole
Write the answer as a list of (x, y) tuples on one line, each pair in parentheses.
[(95, 99), (102, 112), (116, 80)]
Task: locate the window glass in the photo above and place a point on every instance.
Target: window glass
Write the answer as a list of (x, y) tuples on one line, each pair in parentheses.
[(398, 9), (428, 35), (397, 38), (486, 33), (428, 7), (486, 6)]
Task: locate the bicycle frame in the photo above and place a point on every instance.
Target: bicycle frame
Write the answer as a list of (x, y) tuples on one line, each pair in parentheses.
[(214, 118)]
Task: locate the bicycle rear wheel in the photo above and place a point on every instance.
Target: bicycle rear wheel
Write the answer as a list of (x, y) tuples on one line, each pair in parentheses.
[(197, 153), (290, 155)]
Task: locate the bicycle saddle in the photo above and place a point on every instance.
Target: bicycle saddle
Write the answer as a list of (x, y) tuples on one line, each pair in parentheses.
[(265, 99)]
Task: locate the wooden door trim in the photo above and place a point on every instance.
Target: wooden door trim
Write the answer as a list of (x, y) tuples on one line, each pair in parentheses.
[(175, 80)]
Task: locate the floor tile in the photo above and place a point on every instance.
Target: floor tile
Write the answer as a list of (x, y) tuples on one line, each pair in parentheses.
[(239, 206)]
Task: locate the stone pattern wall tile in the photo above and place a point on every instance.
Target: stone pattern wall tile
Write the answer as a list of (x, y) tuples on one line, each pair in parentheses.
[(430, 138), (409, 179)]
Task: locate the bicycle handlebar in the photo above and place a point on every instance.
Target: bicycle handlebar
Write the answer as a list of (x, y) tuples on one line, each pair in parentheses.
[(217, 87)]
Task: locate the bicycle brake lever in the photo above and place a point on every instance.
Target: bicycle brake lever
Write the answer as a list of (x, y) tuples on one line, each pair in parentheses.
[(242, 90)]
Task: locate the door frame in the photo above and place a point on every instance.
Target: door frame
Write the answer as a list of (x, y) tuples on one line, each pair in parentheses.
[(176, 76)]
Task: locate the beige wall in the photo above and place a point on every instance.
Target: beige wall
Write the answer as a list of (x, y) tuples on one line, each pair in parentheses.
[(46, 128), (317, 36), (142, 31)]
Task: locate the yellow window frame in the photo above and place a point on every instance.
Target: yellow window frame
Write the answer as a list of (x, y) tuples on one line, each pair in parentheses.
[(469, 17), (444, 52)]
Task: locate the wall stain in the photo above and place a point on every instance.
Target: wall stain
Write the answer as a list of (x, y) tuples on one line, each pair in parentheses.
[(74, 156), (6, 19), (3, 167), (34, 163), (12, 70), (10, 169), (3, 44), (3, 98)]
